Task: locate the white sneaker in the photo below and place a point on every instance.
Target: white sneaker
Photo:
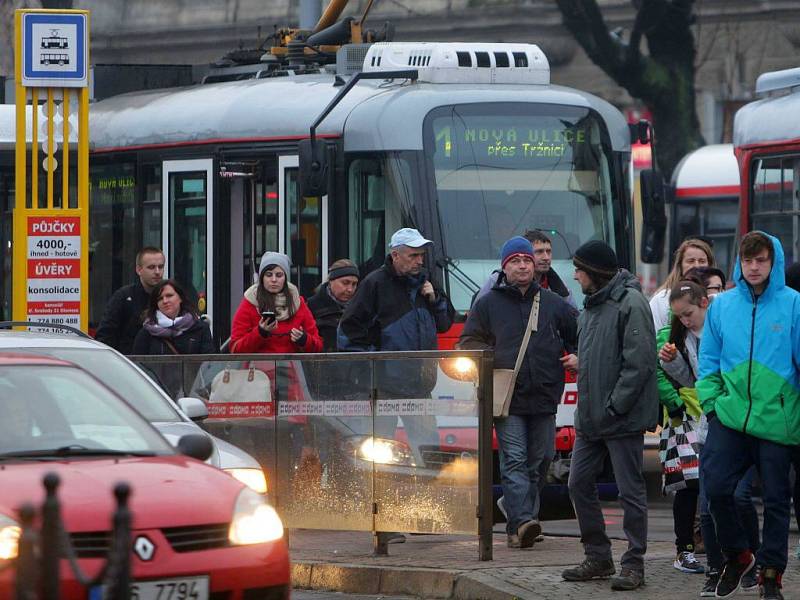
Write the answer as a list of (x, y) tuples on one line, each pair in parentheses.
[(687, 563), (501, 504)]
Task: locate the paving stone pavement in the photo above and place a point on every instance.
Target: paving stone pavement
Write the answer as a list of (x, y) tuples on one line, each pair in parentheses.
[(427, 564)]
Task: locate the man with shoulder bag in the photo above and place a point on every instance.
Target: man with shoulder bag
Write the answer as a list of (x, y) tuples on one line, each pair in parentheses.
[(529, 328)]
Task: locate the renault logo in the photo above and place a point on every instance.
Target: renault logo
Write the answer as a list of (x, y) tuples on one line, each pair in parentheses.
[(144, 548)]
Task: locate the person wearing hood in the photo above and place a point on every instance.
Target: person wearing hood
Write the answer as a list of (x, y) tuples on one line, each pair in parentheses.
[(527, 435), (748, 389), (328, 304), (617, 403), (273, 318)]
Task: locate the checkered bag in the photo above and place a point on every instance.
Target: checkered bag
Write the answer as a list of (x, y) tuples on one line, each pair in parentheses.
[(679, 451)]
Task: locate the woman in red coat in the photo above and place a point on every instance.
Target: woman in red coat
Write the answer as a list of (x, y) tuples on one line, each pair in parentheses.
[(291, 326)]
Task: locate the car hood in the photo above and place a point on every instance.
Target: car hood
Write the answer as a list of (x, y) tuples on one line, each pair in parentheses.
[(161, 489), (225, 455)]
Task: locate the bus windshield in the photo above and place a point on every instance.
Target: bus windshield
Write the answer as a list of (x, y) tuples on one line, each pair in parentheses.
[(502, 169)]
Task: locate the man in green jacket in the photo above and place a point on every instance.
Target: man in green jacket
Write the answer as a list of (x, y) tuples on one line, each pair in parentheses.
[(617, 402)]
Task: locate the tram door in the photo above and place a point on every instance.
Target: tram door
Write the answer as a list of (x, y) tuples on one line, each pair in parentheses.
[(187, 227), (303, 228)]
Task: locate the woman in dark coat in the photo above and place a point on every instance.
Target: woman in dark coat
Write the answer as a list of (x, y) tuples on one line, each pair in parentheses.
[(172, 324)]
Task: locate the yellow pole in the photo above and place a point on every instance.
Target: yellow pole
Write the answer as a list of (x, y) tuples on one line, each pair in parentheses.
[(18, 296), (34, 148), (65, 150), (83, 200), (50, 133)]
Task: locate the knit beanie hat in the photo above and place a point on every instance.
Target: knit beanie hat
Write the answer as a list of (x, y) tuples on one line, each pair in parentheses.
[(274, 258), (343, 268), (516, 246), (597, 259)]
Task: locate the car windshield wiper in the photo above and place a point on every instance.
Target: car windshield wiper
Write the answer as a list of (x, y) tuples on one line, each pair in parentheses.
[(73, 450)]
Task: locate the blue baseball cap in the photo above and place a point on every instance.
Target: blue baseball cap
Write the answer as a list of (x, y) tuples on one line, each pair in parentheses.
[(408, 237)]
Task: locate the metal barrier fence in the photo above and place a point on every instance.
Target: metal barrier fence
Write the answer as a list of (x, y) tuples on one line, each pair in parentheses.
[(379, 441)]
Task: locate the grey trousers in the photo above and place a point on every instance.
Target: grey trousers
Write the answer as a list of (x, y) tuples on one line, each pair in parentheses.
[(587, 463)]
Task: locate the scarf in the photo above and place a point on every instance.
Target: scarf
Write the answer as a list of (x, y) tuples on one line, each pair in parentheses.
[(164, 327)]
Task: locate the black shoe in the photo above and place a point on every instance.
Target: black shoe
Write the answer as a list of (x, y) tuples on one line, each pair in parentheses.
[(731, 578), (628, 579), (710, 588), (528, 532), (770, 588), (590, 568), (750, 581)]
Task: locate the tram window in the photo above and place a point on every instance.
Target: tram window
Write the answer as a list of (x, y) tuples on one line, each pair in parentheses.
[(773, 185), (715, 219), (188, 235), (151, 209), (113, 239), (379, 191)]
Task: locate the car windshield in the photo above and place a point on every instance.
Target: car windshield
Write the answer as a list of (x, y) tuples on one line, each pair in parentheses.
[(501, 169), (50, 410), (123, 377)]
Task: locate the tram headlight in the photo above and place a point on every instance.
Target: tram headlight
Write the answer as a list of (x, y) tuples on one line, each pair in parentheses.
[(380, 451), (9, 539)]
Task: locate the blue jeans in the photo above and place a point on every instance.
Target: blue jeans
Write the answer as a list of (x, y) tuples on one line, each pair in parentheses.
[(527, 446), (748, 516), (727, 456)]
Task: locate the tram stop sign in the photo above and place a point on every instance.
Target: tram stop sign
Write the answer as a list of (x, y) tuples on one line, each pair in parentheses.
[(54, 50)]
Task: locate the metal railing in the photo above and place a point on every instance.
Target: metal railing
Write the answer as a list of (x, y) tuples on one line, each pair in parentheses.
[(378, 441), (38, 572)]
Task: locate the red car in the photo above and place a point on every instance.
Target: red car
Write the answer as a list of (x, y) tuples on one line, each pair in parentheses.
[(197, 532)]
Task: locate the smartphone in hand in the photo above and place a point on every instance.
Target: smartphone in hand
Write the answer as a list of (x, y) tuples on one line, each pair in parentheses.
[(268, 315)]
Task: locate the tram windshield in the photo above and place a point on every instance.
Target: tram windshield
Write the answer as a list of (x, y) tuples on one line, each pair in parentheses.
[(502, 169)]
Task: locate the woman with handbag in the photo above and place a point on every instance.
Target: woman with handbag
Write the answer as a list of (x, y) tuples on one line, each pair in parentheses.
[(172, 324), (273, 318)]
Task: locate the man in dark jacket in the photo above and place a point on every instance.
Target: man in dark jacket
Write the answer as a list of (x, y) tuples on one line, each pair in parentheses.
[(543, 271), (328, 304), (122, 319), (527, 435), (617, 403), (397, 308)]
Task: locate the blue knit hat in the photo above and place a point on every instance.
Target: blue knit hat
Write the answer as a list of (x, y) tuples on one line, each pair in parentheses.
[(516, 246)]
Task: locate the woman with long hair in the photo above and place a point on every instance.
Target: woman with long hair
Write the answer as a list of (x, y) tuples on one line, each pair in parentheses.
[(172, 324), (273, 318), (690, 254)]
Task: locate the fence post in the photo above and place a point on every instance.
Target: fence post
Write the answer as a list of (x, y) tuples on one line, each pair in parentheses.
[(119, 558), (485, 457), (51, 539), (26, 577)]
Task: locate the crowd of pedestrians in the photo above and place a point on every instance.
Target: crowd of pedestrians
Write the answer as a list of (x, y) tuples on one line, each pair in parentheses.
[(717, 363)]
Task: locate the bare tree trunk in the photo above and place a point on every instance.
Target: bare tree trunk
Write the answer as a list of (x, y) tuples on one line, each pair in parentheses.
[(663, 79)]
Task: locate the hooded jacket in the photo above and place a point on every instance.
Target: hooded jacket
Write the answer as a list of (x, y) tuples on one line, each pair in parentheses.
[(246, 338), (617, 393), (498, 320), (388, 313), (749, 356)]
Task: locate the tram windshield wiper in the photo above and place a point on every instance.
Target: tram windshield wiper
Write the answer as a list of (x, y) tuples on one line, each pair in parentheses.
[(460, 276)]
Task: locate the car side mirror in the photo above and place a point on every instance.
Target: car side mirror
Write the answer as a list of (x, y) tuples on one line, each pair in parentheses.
[(196, 445), (313, 157), (194, 408), (654, 218)]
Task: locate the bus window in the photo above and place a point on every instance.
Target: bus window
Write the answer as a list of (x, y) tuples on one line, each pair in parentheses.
[(774, 207), (114, 239), (380, 196), (502, 169)]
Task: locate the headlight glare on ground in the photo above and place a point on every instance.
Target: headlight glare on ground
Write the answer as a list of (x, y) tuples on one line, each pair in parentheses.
[(254, 521), (252, 478)]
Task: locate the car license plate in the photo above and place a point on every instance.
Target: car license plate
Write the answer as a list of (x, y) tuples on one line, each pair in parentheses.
[(183, 588)]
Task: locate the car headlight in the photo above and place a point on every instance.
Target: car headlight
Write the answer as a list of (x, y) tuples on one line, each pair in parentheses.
[(252, 478), (9, 539), (382, 451), (254, 521)]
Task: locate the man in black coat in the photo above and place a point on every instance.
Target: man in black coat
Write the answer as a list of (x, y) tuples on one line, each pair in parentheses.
[(328, 304), (122, 319), (527, 435)]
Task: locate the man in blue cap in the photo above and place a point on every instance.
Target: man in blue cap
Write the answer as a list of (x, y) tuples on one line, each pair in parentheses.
[(396, 307), (527, 435)]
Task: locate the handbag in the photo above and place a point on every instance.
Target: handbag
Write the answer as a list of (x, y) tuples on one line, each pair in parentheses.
[(679, 451), (243, 385), (504, 380)]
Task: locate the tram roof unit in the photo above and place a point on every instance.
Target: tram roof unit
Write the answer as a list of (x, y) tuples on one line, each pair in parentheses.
[(8, 128), (771, 119), (710, 171), (375, 115)]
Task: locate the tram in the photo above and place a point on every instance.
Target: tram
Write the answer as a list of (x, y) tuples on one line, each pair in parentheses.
[(766, 137), (705, 201)]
